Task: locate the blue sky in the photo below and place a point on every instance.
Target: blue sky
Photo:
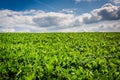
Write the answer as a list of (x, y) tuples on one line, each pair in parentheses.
[(59, 15), (51, 5)]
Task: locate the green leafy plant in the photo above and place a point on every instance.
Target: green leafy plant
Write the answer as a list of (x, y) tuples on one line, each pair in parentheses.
[(60, 56)]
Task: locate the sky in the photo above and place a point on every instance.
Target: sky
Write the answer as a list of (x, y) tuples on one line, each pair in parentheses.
[(59, 15)]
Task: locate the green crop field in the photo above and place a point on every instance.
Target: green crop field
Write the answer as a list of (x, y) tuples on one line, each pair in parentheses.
[(60, 56)]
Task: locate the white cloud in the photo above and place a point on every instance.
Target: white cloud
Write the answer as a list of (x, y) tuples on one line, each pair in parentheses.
[(108, 12), (104, 26), (7, 29), (116, 1), (54, 19), (68, 11), (77, 1), (40, 21)]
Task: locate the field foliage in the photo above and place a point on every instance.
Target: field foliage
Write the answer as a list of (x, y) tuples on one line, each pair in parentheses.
[(60, 56)]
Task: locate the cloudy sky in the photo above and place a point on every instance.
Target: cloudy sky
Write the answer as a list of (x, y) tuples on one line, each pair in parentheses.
[(59, 15)]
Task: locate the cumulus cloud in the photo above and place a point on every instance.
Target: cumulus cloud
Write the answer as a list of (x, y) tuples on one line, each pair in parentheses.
[(116, 1), (7, 29), (34, 19), (40, 21), (105, 26), (54, 19), (10, 18), (108, 12)]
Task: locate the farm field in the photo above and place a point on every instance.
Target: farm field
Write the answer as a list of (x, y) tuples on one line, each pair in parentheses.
[(60, 56)]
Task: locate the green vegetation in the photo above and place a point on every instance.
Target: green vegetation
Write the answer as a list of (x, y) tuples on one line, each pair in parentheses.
[(60, 56)]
